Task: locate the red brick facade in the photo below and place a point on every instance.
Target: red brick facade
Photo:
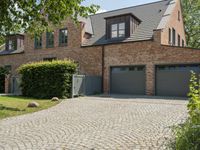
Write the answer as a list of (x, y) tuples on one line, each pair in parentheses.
[(97, 60), (148, 53)]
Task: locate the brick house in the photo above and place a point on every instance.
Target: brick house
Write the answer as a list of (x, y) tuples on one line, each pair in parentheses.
[(139, 50)]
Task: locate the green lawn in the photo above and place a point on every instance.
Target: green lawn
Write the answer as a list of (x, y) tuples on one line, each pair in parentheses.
[(16, 105)]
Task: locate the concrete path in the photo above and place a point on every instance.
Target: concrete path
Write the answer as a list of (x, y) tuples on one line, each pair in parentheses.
[(94, 123)]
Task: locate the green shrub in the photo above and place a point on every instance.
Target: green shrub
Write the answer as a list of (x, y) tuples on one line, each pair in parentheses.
[(47, 79), (194, 97), (187, 135)]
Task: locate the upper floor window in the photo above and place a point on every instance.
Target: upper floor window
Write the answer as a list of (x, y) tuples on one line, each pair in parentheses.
[(50, 39), (38, 42), (63, 37), (179, 40), (14, 42), (173, 36), (179, 15), (12, 45), (170, 36), (183, 43), (121, 26), (118, 30)]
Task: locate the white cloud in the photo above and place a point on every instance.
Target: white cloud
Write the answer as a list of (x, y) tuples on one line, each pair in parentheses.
[(101, 11)]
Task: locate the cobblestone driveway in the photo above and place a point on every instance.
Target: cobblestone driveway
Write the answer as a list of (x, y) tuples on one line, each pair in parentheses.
[(95, 123)]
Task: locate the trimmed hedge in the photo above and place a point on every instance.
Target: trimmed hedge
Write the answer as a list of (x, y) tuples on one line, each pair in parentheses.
[(47, 79)]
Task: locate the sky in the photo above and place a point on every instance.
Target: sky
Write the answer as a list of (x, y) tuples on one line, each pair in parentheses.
[(107, 5)]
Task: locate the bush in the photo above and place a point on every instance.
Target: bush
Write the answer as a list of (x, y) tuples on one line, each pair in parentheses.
[(194, 97), (47, 79), (187, 135)]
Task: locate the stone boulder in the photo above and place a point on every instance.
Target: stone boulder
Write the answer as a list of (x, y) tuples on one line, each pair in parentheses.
[(33, 104), (55, 99)]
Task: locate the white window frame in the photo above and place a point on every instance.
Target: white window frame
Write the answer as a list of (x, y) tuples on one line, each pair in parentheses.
[(116, 28)]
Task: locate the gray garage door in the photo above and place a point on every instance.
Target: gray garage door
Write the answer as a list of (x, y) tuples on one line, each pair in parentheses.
[(128, 80), (174, 80)]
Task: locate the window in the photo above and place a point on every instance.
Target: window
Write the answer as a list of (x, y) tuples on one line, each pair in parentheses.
[(179, 40), (49, 39), (118, 30), (183, 43), (12, 44), (173, 36), (170, 36), (114, 31), (179, 16), (49, 59), (121, 29), (63, 36), (38, 42)]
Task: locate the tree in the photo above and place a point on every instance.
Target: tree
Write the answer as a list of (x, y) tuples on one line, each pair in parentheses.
[(36, 16), (191, 16), (2, 40)]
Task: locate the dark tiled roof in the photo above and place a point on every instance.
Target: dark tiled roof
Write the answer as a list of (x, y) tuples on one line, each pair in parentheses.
[(10, 52), (150, 14)]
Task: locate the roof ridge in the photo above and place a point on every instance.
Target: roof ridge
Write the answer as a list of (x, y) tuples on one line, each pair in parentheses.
[(129, 7)]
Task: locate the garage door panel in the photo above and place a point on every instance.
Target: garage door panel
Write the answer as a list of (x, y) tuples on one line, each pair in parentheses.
[(174, 81), (127, 81)]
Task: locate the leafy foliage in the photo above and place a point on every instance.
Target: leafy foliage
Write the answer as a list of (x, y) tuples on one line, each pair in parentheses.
[(2, 40), (194, 97), (191, 13), (187, 135), (3, 71), (47, 79), (36, 16)]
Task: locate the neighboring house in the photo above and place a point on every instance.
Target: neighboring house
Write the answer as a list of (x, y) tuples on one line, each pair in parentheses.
[(139, 50)]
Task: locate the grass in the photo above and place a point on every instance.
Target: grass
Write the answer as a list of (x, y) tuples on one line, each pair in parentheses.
[(17, 105)]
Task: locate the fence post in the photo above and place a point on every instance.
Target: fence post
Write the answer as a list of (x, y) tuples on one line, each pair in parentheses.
[(73, 86)]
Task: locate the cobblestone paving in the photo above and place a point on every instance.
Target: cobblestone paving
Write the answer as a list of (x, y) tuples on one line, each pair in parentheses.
[(91, 123)]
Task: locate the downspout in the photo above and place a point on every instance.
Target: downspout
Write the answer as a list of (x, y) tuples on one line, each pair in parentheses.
[(103, 64)]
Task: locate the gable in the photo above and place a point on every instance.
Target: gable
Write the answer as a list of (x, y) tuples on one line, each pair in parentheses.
[(149, 14)]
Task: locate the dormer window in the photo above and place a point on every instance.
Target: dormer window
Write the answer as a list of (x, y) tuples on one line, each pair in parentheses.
[(118, 30), (14, 42), (121, 26)]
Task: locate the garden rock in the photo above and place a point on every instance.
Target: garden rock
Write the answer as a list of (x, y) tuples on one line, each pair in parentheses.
[(33, 104), (55, 99)]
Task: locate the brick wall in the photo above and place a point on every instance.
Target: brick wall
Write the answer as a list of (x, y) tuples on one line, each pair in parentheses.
[(89, 58), (173, 22), (148, 53)]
